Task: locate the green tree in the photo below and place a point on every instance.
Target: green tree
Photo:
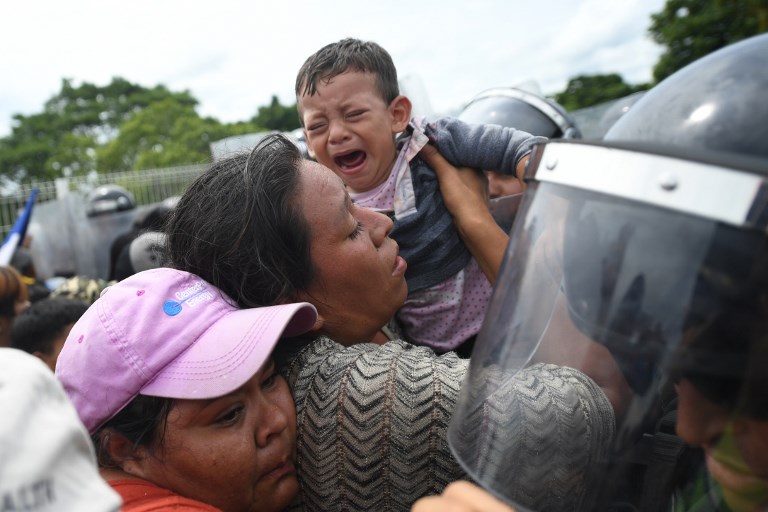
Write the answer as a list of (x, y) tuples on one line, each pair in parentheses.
[(164, 134), (587, 90), (690, 29), (120, 126), (64, 137), (277, 117)]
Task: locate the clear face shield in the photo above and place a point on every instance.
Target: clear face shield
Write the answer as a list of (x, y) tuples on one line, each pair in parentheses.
[(625, 350)]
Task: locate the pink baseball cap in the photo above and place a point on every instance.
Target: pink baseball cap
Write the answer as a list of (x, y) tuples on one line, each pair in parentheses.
[(168, 333)]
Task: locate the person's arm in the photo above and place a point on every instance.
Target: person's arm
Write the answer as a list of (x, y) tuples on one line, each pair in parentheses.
[(465, 197), (372, 427), (461, 497), (483, 146), (373, 424)]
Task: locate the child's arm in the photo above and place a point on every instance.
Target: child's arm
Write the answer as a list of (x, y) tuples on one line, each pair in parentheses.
[(465, 196), (483, 146)]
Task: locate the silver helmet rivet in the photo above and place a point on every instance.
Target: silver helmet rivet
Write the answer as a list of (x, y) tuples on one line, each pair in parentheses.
[(668, 182)]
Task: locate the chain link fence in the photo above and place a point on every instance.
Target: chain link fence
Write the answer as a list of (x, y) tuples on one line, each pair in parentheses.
[(147, 186)]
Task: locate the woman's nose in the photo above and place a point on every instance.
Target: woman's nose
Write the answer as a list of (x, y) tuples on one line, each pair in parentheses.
[(381, 225), (272, 421), (700, 422)]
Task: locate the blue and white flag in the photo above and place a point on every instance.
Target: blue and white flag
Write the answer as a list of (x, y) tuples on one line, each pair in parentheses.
[(18, 231)]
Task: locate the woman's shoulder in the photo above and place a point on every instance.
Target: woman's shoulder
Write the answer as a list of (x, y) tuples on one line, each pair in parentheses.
[(144, 496), (324, 351), (373, 417), (326, 366)]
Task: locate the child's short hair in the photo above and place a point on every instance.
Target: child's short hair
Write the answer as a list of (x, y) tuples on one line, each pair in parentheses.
[(349, 55), (36, 328)]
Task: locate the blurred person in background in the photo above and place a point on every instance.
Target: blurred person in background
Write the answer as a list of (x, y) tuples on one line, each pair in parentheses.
[(41, 329), (47, 461), (14, 299)]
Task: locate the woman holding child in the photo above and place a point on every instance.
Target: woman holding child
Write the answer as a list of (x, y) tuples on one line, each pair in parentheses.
[(271, 228), (181, 389)]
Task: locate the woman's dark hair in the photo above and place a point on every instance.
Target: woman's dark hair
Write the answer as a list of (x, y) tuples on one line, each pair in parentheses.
[(239, 226), (142, 422), (12, 289)]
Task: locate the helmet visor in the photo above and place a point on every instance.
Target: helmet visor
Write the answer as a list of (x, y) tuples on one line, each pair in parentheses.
[(603, 304)]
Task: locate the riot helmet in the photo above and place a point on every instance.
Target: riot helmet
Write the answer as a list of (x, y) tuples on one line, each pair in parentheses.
[(642, 262), (716, 103), (107, 199), (616, 110), (523, 110)]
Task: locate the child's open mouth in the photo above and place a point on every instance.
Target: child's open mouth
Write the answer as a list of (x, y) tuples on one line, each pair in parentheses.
[(350, 161)]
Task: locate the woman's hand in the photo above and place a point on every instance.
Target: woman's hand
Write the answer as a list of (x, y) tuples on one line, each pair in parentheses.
[(464, 190), (465, 194), (461, 497)]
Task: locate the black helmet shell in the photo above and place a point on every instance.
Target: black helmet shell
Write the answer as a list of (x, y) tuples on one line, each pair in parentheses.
[(107, 199), (717, 103), (516, 108)]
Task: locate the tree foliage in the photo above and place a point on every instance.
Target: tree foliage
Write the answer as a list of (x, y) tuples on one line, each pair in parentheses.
[(277, 117), (690, 29), (164, 134), (587, 90), (119, 126)]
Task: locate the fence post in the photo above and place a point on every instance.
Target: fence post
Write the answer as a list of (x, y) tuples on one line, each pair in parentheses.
[(62, 187)]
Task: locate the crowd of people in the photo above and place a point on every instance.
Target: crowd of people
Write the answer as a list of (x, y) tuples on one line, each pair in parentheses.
[(356, 331)]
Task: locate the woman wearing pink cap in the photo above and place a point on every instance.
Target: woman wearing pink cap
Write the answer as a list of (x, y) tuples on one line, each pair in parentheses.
[(171, 379), (373, 410)]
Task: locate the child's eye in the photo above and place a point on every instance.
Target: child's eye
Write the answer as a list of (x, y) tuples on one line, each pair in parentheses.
[(358, 229), (315, 127), (356, 113)]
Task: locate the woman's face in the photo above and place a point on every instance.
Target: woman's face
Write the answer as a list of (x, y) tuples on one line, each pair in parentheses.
[(359, 278), (234, 452)]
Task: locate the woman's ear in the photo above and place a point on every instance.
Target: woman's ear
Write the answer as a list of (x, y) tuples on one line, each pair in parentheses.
[(301, 296), (318, 323), (124, 454), (400, 113)]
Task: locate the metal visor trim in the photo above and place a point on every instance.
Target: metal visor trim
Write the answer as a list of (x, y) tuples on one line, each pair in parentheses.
[(704, 190)]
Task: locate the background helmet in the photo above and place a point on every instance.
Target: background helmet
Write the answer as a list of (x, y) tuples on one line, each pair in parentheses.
[(516, 108), (108, 199), (642, 263)]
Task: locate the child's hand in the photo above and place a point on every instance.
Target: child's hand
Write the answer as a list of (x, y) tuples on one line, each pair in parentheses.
[(461, 497)]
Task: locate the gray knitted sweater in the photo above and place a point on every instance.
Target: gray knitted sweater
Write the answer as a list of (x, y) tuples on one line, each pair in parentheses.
[(373, 421)]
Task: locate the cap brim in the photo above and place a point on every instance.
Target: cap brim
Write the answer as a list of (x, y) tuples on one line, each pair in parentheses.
[(230, 352)]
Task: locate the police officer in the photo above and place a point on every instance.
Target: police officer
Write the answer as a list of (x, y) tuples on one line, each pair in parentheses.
[(642, 261)]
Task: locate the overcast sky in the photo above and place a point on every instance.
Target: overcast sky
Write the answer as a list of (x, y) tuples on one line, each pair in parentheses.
[(234, 55)]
